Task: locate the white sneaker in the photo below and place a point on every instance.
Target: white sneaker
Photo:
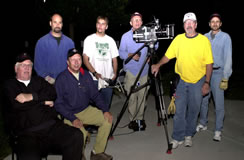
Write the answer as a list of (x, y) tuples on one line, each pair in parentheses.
[(176, 143), (217, 136), (201, 127), (188, 141)]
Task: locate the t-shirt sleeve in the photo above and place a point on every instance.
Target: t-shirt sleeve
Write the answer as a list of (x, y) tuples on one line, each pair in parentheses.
[(208, 56)]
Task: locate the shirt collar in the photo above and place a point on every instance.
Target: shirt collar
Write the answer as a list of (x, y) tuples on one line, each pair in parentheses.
[(50, 33)]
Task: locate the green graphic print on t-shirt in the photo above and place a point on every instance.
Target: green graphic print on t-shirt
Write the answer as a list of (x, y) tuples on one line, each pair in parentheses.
[(102, 48)]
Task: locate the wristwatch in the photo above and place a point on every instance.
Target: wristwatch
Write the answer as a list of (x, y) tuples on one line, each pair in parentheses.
[(94, 73), (206, 82)]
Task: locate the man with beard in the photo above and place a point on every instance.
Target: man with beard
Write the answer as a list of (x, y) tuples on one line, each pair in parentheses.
[(194, 62), (51, 51), (222, 70)]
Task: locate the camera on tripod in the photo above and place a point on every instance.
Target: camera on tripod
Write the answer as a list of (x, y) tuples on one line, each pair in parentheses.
[(153, 32)]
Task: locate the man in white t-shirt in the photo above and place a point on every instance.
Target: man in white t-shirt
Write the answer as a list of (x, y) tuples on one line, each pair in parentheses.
[(100, 57)]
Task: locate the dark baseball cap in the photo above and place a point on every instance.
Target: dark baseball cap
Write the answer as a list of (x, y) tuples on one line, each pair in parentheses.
[(215, 15), (136, 14), (72, 52), (22, 57)]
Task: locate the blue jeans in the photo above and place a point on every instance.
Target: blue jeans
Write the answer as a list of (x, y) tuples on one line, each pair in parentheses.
[(188, 101), (107, 94), (218, 96)]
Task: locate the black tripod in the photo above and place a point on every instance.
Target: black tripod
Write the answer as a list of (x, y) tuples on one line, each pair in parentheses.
[(162, 115)]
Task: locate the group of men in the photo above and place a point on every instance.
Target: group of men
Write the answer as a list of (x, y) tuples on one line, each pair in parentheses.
[(204, 64), (62, 86), (82, 97)]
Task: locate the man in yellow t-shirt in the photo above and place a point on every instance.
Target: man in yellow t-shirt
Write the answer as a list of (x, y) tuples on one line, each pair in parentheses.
[(194, 62)]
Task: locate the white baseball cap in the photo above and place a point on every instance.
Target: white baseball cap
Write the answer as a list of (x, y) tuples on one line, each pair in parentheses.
[(190, 16)]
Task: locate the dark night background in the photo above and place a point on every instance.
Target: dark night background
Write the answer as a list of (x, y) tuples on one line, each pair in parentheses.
[(23, 22), (27, 21)]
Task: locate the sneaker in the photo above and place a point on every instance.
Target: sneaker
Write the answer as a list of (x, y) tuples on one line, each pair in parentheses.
[(188, 141), (133, 125), (217, 136), (201, 127), (176, 143), (137, 125), (100, 156)]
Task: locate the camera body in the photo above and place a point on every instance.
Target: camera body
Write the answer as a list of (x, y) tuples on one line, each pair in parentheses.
[(145, 34), (153, 32)]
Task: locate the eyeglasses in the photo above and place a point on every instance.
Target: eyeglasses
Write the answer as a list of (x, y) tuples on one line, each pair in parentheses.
[(23, 65)]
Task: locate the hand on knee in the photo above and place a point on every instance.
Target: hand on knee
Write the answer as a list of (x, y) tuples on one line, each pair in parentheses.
[(108, 116)]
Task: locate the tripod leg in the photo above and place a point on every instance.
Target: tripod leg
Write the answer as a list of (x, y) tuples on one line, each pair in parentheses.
[(162, 112), (158, 110), (133, 89), (120, 116), (126, 105), (156, 101)]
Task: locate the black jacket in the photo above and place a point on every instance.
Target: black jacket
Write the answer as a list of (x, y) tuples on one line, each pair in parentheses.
[(23, 117)]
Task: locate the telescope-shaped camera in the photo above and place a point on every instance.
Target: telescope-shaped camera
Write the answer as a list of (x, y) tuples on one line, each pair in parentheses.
[(153, 32)]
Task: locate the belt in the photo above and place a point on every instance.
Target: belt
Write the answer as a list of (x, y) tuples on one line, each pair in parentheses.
[(216, 68)]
